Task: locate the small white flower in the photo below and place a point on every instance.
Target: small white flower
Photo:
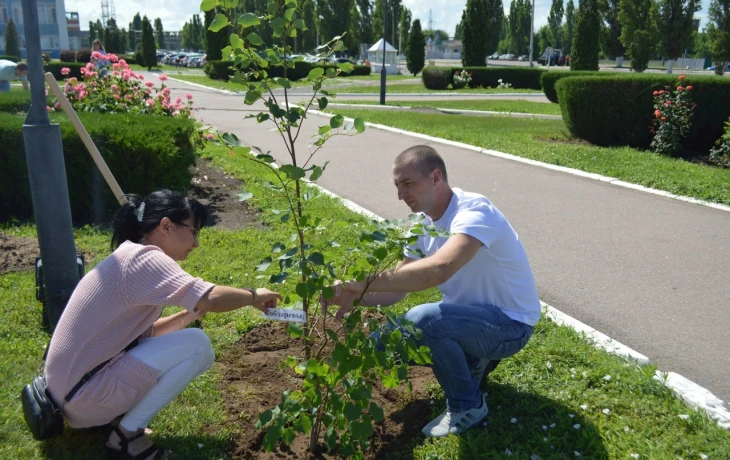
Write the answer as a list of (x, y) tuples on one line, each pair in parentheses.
[(571, 415), (584, 406), (572, 370), (577, 426), (544, 439), (549, 365), (683, 416), (606, 411), (634, 455), (576, 453), (514, 420), (200, 446), (607, 377), (553, 425), (703, 457), (508, 452), (585, 374), (627, 429), (544, 427), (535, 457)]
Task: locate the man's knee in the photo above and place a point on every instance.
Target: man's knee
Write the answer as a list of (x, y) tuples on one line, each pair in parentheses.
[(422, 315)]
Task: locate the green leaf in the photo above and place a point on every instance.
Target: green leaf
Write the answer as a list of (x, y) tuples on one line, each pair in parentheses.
[(263, 265), (230, 3), (218, 23), (248, 20), (315, 73), (284, 82), (352, 411), (254, 39), (272, 7), (242, 151), (380, 253), (376, 412), (330, 333), (264, 419), (207, 5), (324, 130), (317, 368), (390, 380), (273, 434), (288, 435), (299, 24), (303, 424), (359, 124), (251, 97), (337, 121), (346, 67), (294, 330), (278, 247), (231, 140), (362, 430), (243, 196), (316, 258), (289, 14), (262, 117), (323, 101), (278, 278), (316, 173), (293, 172), (236, 42)]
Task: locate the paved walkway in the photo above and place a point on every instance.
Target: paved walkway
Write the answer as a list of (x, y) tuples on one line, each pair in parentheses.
[(648, 271)]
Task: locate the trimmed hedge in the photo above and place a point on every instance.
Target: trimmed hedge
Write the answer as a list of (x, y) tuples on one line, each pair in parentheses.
[(439, 78), (488, 77), (220, 70), (145, 153), (67, 56), (15, 101), (55, 69), (436, 78), (83, 55), (548, 80), (9, 57), (618, 110)]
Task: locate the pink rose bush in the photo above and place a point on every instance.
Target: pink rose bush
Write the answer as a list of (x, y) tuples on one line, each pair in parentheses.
[(673, 111), (122, 91)]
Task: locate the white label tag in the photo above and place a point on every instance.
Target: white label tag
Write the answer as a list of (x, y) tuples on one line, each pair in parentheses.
[(286, 314)]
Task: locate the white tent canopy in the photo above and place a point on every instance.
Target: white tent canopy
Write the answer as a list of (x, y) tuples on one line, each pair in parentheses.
[(378, 46)]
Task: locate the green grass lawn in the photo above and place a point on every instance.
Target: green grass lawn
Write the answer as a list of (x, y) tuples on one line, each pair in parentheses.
[(558, 396), (548, 141), (419, 88), (514, 106), (235, 87)]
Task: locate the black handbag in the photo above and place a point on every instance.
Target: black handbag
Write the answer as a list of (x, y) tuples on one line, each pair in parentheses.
[(42, 415)]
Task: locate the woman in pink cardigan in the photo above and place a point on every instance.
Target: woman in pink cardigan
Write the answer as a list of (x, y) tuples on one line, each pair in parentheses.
[(113, 322)]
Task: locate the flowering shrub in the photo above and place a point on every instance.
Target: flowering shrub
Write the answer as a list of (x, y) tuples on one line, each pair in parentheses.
[(503, 85), (673, 110), (721, 153), (461, 79), (121, 91)]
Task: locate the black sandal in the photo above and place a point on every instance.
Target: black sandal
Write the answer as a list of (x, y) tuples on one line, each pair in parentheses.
[(123, 451)]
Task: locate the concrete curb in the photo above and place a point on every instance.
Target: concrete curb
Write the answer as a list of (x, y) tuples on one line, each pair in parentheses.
[(484, 113), (507, 156), (198, 85), (459, 95)]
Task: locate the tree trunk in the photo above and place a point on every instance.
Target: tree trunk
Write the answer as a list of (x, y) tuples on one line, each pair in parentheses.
[(619, 62), (670, 66)]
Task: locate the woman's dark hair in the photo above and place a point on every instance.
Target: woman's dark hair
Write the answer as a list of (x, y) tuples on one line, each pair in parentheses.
[(101, 45), (177, 207)]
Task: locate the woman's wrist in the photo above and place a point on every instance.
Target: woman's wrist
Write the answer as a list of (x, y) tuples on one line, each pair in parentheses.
[(253, 293)]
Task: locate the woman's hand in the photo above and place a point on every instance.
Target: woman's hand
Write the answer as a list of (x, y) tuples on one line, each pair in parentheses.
[(266, 299)]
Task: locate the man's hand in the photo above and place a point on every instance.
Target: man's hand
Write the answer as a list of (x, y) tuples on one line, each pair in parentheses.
[(266, 299), (346, 293)]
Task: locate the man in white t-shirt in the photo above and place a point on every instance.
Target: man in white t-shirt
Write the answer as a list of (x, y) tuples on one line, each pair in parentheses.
[(490, 303), (9, 70)]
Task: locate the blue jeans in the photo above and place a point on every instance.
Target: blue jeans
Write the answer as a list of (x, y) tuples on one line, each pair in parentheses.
[(463, 338), (4, 86)]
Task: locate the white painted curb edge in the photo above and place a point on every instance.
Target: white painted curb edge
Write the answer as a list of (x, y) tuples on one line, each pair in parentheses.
[(198, 85), (507, 156), (691, 393)]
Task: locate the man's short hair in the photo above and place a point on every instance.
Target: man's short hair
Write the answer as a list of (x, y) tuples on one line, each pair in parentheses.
[(21, 66), (424, 159)]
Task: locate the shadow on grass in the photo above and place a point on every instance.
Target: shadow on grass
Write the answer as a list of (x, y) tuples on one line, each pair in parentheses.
[(89, 444), (542, 427)]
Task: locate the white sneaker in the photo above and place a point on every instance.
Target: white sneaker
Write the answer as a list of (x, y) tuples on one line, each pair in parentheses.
[(456, 422)]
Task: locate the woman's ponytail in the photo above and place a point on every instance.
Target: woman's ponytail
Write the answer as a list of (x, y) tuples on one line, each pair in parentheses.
[(126, 223)]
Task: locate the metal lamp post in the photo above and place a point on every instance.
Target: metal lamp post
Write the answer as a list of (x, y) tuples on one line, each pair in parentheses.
[(382, 71), (48, 186), (532, 31)]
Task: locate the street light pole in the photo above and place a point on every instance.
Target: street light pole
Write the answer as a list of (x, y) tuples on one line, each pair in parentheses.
[(48, 186), (532, 31), (382, 71)]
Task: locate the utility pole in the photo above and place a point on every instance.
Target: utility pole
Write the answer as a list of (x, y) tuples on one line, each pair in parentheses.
[(532, 31), (48, 186), (382, 71)]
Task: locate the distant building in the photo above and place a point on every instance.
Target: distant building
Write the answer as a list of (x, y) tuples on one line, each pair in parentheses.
[(74, 30), (448, 49), (51, 22)]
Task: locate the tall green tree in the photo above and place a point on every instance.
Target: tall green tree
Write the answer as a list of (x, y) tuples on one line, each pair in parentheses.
[(639, 33), (520, 22), (12, 40), (474, 40), (365, 23), (542, 39), (555, 20), (392, 18), (718, 33), (149, 50), (416, 56), (214, 41), (309, 36), (586, 40), (611, 32), (458, 32), (112, 37), (124, 39), (336, 19), (676, 26), (404, 28), (437, 36), (135, 27), (568, 27), (93, 34), (494, 24), (159, 33), (132, 37), (193, 34)]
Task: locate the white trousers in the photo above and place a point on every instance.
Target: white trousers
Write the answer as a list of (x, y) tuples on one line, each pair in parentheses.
[(180, 356)]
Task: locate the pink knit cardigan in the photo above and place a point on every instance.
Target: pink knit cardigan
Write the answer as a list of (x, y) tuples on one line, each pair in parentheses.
[(115, 303)]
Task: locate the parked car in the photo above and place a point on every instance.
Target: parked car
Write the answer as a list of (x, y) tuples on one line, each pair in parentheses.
[(713, 68), (494, 56), (523, 58)]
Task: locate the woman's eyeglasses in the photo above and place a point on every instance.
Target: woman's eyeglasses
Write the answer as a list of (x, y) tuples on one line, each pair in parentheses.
[(194, 230)]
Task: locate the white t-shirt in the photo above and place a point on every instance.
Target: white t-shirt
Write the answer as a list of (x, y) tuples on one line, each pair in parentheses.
[(499, 274), (7, 71)]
